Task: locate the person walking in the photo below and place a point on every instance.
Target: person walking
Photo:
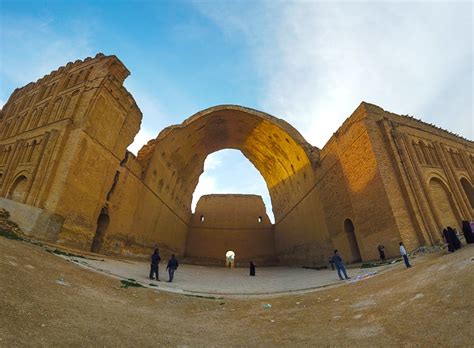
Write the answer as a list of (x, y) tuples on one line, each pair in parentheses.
[(337, 260), (403, 252), (155, 260), (381, 250), (172, 267)]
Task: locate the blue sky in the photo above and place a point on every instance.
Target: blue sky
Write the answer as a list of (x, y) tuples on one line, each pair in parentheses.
[(310, 63)]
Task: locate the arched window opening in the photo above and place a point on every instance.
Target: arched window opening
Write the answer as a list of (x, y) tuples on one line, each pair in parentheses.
[(352, 240), (102, 224), (202, 218), (260, 219), (229, 171), (468, 190)]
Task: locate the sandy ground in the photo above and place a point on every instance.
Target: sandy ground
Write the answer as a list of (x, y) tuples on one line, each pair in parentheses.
[(431, 304), (225, 282)]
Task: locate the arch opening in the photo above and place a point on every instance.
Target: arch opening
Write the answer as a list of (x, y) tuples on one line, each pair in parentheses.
[(468, 190), (443, 207), (102, 223), (278, 151), (229, 172), (230, 259), (352, 240), (19, 189)]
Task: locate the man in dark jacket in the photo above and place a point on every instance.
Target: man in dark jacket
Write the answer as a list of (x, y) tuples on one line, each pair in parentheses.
[(172, 267), (155, 260), (337, 260)]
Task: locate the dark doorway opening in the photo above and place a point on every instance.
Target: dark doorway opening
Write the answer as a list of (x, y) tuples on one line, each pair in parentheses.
[(352, 240), (102, 224)]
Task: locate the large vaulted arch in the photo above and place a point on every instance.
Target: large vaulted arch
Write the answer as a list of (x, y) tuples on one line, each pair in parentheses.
[(276, 149)]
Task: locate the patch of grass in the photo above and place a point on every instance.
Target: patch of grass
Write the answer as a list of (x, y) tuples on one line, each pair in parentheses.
[(9, 234), (130, 284), (60, 252), (378, 264), (203, 296)]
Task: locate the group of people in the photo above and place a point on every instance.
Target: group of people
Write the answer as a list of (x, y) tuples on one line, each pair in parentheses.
[(336, 260), (452, 237), (171, 267)]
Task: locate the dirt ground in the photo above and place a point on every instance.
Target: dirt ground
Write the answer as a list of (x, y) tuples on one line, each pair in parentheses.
[(431, 304)]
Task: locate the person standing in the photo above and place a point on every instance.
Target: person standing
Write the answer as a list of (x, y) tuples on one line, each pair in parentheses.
[(331, 263), (252, 269), (381, 250), (403, 252), (155, 261), (466, 229), (172, 267), (454, 238), (447, 237), (337, 260)]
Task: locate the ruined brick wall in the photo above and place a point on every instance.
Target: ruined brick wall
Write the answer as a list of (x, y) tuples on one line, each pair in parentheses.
[(231, 222), (62, 139), (395, 179), (428, 173), (380, 179)]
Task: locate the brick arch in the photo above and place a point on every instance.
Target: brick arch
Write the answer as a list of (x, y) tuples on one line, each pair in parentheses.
[(444, 206), (18, 189), (468, 190), (277, 150)]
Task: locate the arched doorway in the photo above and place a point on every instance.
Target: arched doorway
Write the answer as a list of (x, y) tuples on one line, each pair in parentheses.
[(443, 205), (352, 240), (230, 259), (19, 189), (468, 190), (102, 224)]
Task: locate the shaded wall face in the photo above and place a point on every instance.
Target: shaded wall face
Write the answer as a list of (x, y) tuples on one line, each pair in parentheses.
[(140, 219), (230, 222), (352, 188)]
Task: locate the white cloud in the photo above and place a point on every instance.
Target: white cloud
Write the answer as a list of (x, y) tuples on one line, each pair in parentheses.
[(319, 60)]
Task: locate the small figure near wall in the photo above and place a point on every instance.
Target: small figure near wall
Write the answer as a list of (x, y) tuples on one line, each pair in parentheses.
[(155, 261), (252, 269), (454, 238), (172, 267), (331, 262), (466, 229), (337, 260), (381, 250), (403, 252)]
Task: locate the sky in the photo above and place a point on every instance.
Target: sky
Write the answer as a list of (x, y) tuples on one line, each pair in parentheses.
[(310, 63)]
